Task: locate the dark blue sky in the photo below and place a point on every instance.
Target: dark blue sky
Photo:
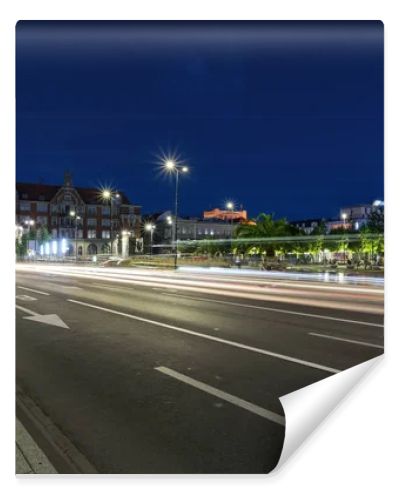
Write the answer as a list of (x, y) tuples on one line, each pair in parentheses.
[(283, 117)]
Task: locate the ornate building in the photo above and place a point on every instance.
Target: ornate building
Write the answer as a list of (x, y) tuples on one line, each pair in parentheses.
[(87, 221)]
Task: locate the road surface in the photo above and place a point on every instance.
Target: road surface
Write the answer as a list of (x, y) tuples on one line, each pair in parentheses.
[(180, 372)]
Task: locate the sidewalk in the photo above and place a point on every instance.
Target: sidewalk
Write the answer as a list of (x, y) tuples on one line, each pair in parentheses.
[(29, 458)]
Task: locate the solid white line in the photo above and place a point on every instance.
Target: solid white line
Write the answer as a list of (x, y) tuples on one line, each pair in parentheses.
[(210, 337), (273, 309), (262, 412), (346, 340), (24, 309), (32, 290)]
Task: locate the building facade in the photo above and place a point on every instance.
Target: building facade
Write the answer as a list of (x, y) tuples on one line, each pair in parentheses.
[(81, 221), (188, 229)]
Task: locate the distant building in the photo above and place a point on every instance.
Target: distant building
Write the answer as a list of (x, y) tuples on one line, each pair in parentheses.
[(96, 226), (189, 228), (225, 215), (352, 217), (307, 225)]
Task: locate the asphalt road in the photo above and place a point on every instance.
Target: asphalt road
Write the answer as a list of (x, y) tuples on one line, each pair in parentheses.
[(163, 372)]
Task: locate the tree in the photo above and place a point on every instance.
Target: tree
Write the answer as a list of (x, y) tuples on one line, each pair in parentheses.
[(376, 221), (265, 227), (21, 245), (43, 235), (320, 229)]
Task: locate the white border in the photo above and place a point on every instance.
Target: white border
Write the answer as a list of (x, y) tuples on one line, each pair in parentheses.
[(349, 455)]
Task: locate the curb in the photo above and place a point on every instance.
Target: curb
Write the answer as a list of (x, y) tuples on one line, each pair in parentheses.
[(60, 451)]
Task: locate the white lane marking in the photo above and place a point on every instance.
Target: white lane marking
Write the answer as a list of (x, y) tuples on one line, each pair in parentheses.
[(26, 298), (32, 290), (257, 410), (24, 309), (273, 309), (70, 287), (50, 319), (210, 337), (341, 339)]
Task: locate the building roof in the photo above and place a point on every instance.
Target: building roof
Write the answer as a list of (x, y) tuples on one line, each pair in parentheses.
[(45, 192)]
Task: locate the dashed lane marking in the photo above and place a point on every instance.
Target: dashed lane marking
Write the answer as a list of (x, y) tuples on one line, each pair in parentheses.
[(210, 337), (33, 290), (341, 339), (225, 396), (273, 309), (25, 298)]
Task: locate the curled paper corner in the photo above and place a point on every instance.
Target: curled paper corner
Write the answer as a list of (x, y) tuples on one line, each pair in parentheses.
[(306, 408)]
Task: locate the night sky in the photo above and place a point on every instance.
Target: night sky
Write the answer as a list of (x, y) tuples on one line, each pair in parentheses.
[(280, 117)]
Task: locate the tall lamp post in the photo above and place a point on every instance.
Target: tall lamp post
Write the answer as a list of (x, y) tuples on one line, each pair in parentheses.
[(150, 227), (74, 215), (230, 206), (108, 196), (30, 223), (171, 166), (344, 217)]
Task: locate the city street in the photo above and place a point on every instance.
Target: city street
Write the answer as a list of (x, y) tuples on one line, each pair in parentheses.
[(153, 371)]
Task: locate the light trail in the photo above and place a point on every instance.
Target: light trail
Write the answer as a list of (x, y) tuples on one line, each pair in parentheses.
[(361, 299)]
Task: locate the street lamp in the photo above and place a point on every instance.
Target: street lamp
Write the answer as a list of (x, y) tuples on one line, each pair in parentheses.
[(344, 217), (74, 215), (107, 196), (230, 206), (30, 223), (171, 166), (150, 227)]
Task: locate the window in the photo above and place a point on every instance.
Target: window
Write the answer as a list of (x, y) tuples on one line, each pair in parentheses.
[(105, 223), (54, 233), (91, 222), (105, 234), (25, 206), (24, 196), (41, 207), (79, 233), (42, 220), (105, 210), (91, 233), (92, 210)]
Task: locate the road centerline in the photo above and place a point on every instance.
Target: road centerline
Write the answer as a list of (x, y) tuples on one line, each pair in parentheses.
[(273, 309), (341, 339), (225, 396), (32, 290), (210, 337)]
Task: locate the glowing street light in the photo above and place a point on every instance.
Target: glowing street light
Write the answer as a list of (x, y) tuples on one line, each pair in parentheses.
[(230, 206), (344, 217), (150, 227), (172, 166), (74, 215), (107, 195)]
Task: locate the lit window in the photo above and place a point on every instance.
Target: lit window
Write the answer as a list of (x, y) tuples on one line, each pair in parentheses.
[(91, 233), (92, 210), (41, 207), (25, 206), (105, 234)]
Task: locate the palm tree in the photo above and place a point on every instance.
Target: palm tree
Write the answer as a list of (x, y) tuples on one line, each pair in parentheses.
[(265, 227)]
